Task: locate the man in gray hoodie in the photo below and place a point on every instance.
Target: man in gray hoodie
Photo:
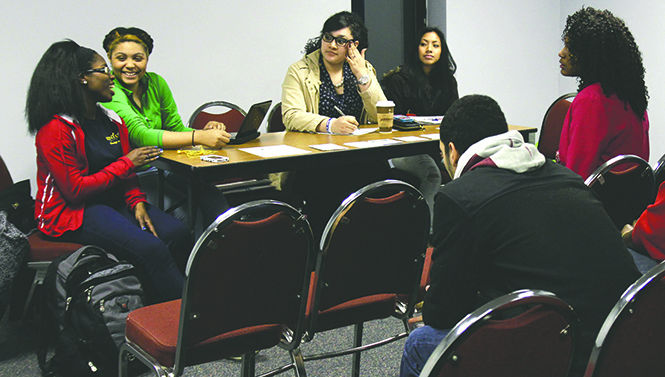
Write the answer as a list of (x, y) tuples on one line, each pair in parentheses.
[(511, 220)]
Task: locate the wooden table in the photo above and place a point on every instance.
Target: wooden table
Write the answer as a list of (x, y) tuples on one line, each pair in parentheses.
[(245, 164)]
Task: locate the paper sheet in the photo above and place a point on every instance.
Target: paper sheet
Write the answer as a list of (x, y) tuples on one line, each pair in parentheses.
[(435, 119), (409, 138), (364, 131), (372, 143), (431, 136), (358, 132), (328, 147), (275, 151)]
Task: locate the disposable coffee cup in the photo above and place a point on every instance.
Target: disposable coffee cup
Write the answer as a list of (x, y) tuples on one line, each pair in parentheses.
[(385, 110)]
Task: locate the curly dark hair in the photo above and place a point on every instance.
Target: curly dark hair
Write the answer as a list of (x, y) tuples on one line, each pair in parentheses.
[(603, 50), (55, 86), (340, 21), (117, 35), (471, 119)]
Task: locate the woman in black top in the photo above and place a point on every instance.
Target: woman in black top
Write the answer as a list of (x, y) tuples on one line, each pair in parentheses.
[(425, 85)]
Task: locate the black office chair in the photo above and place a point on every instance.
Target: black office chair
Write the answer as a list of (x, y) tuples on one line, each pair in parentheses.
[(625, 186)]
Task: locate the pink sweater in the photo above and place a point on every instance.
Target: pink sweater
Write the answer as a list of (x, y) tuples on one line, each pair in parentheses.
[(598, 128)]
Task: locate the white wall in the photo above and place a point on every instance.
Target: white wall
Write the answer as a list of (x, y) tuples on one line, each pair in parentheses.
[(644, 19), (507, 50), (207, 50)]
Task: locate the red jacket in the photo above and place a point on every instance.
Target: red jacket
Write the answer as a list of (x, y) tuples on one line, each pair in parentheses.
[(597, 128), (63, 182), (649, 231)]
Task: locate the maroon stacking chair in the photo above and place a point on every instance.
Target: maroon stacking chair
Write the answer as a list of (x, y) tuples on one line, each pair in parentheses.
[(220, 111), (659, 172), (275, 122), (245, 287), (550, 130), (632, 338), (625, 186), (369, 265), (524, 333), (232, 116), (42, 249)]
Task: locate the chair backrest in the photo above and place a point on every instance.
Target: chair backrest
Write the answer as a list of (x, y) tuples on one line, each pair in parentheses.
[(251, 267), (659, 171), (550, 130), (275, 123), (631, 340), (5, 177), (220, 111), (524, 333), (625, 186), (374, 243)]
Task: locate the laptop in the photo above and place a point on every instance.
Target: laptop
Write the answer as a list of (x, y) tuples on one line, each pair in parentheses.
[(249, 128)]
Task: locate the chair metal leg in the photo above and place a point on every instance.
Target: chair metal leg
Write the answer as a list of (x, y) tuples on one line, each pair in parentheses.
[(127, 349), (248, 364), (40, 273), (298, 362), (357, 342)]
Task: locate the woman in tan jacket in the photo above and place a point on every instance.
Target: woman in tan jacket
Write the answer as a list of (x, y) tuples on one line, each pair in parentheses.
[(331, 89), (332, 74)]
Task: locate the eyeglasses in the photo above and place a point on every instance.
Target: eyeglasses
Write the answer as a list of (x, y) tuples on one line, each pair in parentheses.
[(104, 69), (340, 41)]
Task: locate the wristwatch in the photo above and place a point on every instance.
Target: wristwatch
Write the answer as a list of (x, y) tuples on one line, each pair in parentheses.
[(363, 80)]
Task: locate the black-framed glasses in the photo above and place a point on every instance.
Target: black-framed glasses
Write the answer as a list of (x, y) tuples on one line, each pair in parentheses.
[(340, 41), (104, 69)]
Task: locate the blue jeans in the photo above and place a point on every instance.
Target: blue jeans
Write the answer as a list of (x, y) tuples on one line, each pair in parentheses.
[(643, 262), (117, 231), (419, 346)]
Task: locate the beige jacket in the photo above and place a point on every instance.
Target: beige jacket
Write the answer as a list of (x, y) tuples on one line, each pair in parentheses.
[(300, 95)]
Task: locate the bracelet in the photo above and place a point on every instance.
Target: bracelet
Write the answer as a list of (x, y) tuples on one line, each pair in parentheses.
[(193, 131), (328, 125)]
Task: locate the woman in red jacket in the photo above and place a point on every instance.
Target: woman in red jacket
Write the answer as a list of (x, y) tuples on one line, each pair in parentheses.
[(608, 116), (647, 234), (87, 189)]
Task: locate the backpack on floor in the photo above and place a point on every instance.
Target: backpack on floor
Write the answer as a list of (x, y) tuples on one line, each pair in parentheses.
[(87, 296)]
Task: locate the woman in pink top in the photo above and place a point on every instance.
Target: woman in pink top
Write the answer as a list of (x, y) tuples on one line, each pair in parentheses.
[(608, 116)]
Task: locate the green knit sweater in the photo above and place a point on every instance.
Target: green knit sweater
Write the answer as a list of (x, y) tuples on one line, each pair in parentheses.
[(158, 113)]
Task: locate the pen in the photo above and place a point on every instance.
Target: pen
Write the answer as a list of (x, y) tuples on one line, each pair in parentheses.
[(338, 110)]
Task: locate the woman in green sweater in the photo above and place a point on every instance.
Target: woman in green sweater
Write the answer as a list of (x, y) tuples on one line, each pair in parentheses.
[(143, 99)]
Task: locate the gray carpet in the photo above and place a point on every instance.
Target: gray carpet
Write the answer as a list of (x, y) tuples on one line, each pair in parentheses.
[(18, 340)]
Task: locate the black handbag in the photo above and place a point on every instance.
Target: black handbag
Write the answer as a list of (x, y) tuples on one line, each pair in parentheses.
[(19, 205)]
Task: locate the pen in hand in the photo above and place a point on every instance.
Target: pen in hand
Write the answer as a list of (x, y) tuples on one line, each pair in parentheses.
[(338, 110)]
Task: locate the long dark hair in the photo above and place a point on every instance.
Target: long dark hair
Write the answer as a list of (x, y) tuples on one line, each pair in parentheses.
[(55, 86), (340, 21), (603, 50), (443, 70)]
